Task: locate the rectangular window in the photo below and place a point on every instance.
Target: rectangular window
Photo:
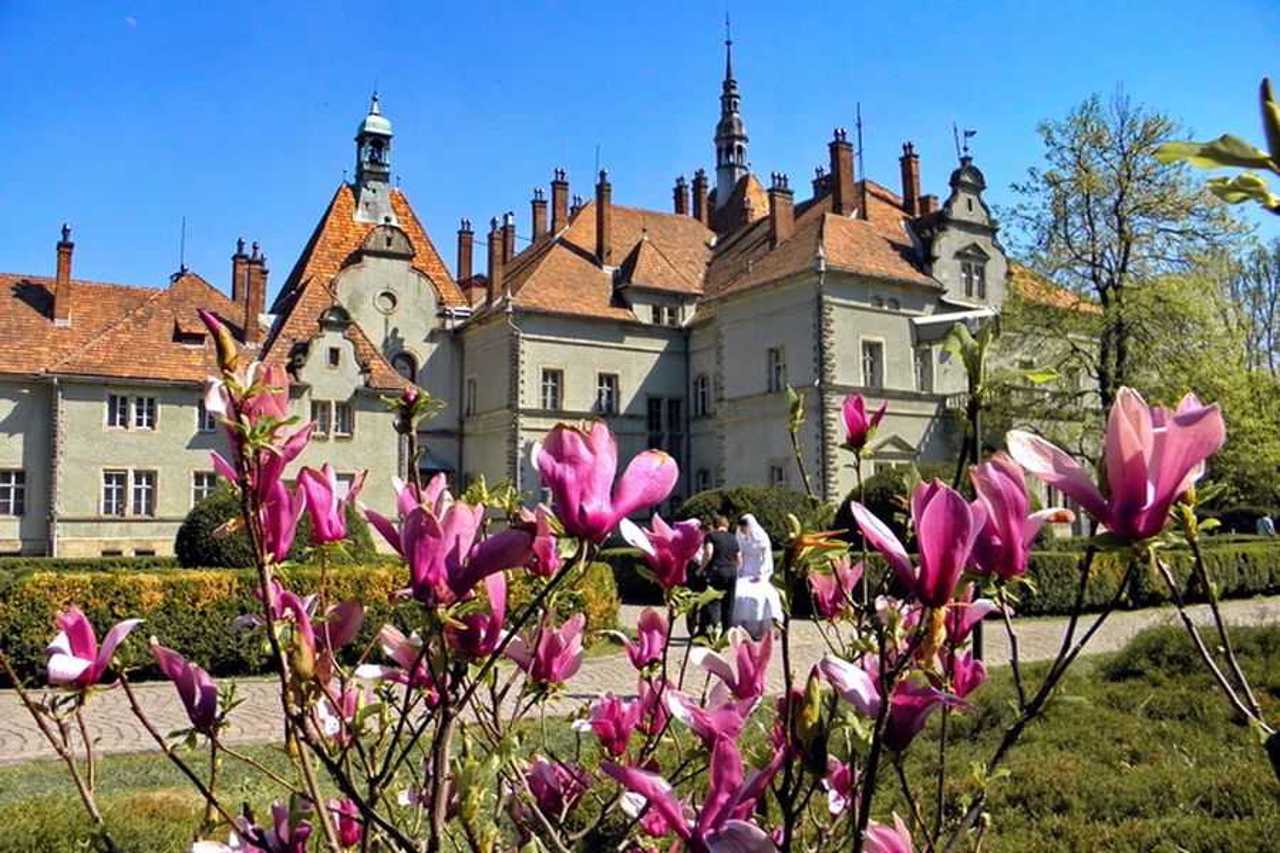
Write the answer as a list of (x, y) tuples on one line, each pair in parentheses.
[(873, 364), (344, 420), (777, 475), (118, 411), (653, 419), (702, 480), (144, 412), (673, 315), (345, 482), (206, 421), (470, 398), (203, 484), (144, 493), (335, 356), (656, 310), (924, 369), (322, 416), (13, 492), (980, 271), (114, 486), (552, 389), (777, 369), (701, 396), (607, 393)]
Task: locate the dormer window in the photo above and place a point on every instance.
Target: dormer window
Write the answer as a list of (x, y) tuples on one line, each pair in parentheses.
[(973, 272)]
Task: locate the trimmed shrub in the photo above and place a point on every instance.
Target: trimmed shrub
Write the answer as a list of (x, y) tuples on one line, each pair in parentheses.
[(769, 504), (86, 564), (885, 494), (200, 543), (192, 610)]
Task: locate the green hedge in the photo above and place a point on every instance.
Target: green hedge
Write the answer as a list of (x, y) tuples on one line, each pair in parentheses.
[(86, 564), (769, 504), (192, 610)]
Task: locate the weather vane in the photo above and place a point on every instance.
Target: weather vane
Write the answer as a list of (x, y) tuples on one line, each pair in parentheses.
[(962, 147)]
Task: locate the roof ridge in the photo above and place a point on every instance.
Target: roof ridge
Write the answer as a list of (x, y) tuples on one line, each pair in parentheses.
[(82, 282), (671, 265), (108, 329)]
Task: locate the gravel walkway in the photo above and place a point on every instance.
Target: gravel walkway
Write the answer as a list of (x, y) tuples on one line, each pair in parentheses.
[(258, 718)]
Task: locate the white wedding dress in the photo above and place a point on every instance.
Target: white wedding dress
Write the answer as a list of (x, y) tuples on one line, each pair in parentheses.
[(756, 604)]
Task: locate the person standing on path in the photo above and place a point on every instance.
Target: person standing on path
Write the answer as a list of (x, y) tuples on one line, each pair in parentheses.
[(721, 557)]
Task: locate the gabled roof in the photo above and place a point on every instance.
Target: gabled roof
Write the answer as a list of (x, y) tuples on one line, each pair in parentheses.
[(1033, 287), (117, 331), (748, 202)]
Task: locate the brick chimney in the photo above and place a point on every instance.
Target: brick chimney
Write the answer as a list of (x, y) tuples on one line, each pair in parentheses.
[(821, 181), (681, 193), (700, 210), (255, 295), (782, 211), (910, 163), (62, 296), (508, 237), (539, 207), (842, 178), (928, 204), (466, 247), (239, 270), (495, 260), (604, 220), (559, 201), (577, 205)]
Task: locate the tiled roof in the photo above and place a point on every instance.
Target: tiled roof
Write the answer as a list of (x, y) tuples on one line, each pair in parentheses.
[(748, 192), (116, 331), (1034, 287)]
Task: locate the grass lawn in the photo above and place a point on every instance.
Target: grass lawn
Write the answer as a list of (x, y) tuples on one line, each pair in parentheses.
[(1136, 754)]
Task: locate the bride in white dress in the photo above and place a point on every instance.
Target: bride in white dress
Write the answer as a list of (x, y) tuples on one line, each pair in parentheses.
[(756, 604)]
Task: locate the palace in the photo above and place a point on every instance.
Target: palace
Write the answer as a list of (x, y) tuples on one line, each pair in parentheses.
[(682, 328)]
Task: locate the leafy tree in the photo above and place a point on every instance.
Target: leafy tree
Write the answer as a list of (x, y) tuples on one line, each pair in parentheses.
[(1254, 309)]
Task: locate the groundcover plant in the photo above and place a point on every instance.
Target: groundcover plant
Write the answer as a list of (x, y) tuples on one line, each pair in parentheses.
[(441, 735)]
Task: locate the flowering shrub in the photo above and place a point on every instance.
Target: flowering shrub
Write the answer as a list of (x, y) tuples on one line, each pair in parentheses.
[(436, 737)]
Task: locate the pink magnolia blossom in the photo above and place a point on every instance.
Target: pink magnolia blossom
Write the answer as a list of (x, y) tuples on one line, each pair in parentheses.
[(751, 658), (337, 711), (653, 711), (279, 513), (858, 427), (852, 683), (554, 655), (288, 833), (196, 689), (718, 721), (910, 704), (881, 838), (578, 464), (480, 633), (967, 673), (327, 508), (652, 630), (410, 664), (613, 720), (346, 822), (1152, 456), (434, 496), (964, 613), (544, 554), (839, 783), (667, 549), (946, 527), (556, 786), (74, 658), (1004, 543), (715, 829), (832, 592)]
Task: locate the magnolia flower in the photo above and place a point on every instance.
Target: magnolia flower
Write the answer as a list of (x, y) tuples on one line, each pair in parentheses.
[(480, 633), (720, 721), (1152, 456), (963, 613), (1004, 543), (717, 827), (858, 428), (337, 713), (751, 658), (578, 463), (833, 593), (328, 509), (74, 658), (839, 784), (852, 683), (967, 674), (554, 655), (946, 527), (651, 630), (279, 512), (346, 822), (411, 666), (653, 711), (196, 689), (288, 833), (880, 838), (555, 785), (666, 549), (613, 720), (910, 704), (544, 554)]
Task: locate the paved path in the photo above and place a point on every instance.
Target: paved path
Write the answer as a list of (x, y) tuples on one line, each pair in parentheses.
[(258, 718)]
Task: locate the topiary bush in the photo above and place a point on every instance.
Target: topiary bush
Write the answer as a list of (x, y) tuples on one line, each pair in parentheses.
[(769, 504), (193, 610), (200, 542), (885, 494)]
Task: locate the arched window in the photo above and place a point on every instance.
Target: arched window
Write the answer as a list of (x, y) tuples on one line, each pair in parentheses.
[(406, 365)]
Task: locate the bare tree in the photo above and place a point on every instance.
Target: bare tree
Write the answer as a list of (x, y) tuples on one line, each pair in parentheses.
[(1255, 299)]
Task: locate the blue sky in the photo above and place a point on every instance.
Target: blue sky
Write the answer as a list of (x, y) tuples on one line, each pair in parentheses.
[(123, 118)]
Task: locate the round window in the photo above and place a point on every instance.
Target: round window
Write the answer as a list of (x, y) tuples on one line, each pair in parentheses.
[(385, 302), (406, 365)]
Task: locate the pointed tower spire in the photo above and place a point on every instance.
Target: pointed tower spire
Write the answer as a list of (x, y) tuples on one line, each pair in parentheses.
[(731, 133), (373, 165)]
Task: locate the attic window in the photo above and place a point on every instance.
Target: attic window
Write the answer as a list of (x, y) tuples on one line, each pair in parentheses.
[(335, 356), (385, 301)]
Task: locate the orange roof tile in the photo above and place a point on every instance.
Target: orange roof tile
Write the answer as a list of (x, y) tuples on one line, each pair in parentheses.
[(1033, 287)]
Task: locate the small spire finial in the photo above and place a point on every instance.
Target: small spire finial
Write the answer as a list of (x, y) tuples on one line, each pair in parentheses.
[(728, 49), (66, 233), (375, 108)]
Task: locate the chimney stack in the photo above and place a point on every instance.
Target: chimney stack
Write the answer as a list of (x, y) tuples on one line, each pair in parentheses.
[(910, 163), (782, 212), (682, 196), (559, 201), (842, 177), (928, 204), (821, 181), (255, 295), (700, 211), (62, 284), (466, 246), (539, 206), (495, 261), (508, 237), (576, 206), (239, 270), (604, 220)]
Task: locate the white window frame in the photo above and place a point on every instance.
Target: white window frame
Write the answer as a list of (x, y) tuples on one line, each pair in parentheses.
[(146, 409), (117, 410), (206, 421), (120, 500), (199, 493), (922, 356), (13, 492), (777, 475), (552, 379), (140, 488), (862, 360), (701, 395), (776, 369), (322, 417), (608, 393), (350, 429)]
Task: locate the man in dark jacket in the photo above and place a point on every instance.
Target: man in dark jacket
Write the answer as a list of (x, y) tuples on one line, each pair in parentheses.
[(721, 558)]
